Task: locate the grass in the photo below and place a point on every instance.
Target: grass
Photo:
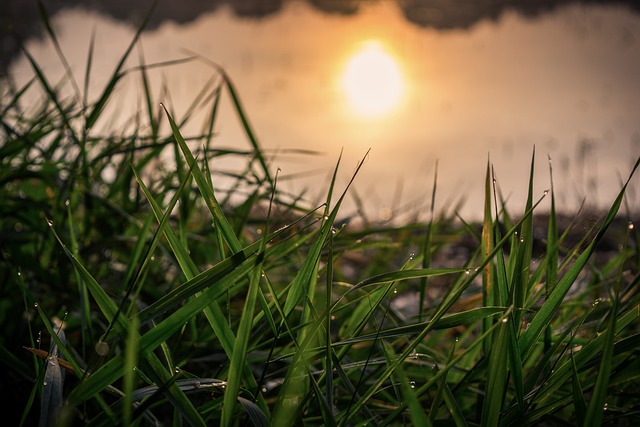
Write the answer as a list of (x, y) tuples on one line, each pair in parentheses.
[(181, 307)]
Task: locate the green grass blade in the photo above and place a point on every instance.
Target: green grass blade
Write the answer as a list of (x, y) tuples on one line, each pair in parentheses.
[(579, 404), (117, 74), (238, 358), (496, 375), (219, 218)]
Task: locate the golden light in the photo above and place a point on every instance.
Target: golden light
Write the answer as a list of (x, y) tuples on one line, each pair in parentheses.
[(372, 81)]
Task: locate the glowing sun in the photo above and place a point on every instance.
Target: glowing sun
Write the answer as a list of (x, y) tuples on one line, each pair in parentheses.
[(372, 81)]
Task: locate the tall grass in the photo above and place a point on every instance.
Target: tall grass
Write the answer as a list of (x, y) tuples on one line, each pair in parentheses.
[(179, 306)]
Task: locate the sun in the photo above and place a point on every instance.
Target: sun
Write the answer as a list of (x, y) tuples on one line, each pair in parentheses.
[(372, 81)]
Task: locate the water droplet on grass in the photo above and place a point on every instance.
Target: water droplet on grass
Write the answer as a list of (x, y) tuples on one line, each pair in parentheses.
[(333, 230), (264, 389), (45, 383), (546, 192), (395, 291), (326, 217), (413, 384), (66, 202), (505, 319), (102, 348), (630, 225), (35, 305), (49, 223)]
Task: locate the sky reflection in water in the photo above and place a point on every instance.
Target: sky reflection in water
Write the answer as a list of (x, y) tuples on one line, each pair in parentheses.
[(566, 82)]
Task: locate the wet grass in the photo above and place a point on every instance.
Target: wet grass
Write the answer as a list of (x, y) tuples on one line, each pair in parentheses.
[(135, 291)]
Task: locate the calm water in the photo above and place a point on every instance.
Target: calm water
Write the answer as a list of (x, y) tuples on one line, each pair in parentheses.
[(566, 82)]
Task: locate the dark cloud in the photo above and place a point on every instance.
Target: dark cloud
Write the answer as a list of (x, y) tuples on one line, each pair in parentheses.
[(20, 19)]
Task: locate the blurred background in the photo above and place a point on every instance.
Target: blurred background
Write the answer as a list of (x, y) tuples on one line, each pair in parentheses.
[(419, 82)]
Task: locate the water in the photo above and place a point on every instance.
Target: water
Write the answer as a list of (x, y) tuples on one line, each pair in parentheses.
[(565, 82)]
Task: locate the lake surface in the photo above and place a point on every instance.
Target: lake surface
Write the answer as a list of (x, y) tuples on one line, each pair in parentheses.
[(566, 82)]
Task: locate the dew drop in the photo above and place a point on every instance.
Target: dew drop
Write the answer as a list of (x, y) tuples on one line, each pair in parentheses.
[(522, 240), (468, 271), (605, 407), (546, 192), (333, 317), (19, 273), (153, 258), (326, 217), (505, 319), (35, 305), (45, 383), (262, 274), (413, 384), (259, 231), (50, 223), (630, 225), (196, 384), (457, 339), (102, 348), (177, 370), (66, 202), (333, 230), (264, 389), (395, 291)]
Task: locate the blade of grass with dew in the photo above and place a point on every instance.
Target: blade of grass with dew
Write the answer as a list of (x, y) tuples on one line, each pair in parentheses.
[(597, 404), (444, 393), (543, 316), (426, 252), (328, 351), (496, 375), (130, 362), (416, 411), (244, 328), (85, 306), (53, 383), (551, 252), (489, 289), (524, 244), (450, 321)]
